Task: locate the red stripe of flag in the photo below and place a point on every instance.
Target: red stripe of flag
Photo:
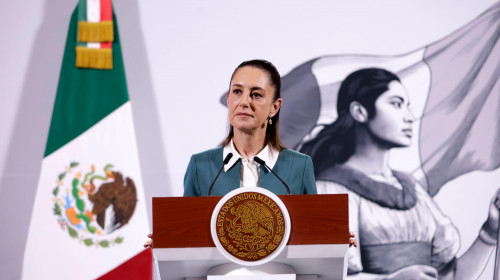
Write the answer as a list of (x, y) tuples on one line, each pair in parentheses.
[(106, 15), (139, 267)]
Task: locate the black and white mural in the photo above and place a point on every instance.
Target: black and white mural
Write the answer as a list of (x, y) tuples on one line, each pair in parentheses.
[(440, 106)]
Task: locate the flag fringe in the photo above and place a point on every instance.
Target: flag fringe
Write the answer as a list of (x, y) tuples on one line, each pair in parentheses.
[(94, 58), (95, 31)]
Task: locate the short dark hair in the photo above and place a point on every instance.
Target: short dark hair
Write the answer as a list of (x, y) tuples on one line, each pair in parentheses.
[(335, 143), (272, 131)]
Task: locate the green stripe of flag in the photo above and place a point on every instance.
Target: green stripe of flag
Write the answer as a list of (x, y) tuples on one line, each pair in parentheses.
[(84, 96), (82, 10), (82, 16)]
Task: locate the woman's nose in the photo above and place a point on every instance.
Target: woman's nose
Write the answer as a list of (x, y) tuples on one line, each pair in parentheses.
[(409, 117), (245, 99)]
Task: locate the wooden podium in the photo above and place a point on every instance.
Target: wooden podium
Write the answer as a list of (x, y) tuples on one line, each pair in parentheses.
[(318, 243)]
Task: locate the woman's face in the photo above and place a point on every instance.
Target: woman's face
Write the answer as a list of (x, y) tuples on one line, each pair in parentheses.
[(393, 120), (250, 99)]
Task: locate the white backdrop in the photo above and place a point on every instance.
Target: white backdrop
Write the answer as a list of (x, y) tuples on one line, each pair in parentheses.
[(178, 58)]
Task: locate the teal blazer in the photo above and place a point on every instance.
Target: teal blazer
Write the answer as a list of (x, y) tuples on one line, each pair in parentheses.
[(294, 168)]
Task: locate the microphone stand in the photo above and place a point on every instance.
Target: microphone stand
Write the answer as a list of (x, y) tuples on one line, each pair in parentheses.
[(261, 162), (226, 160)]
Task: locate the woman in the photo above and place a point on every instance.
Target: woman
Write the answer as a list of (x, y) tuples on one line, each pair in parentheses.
[(402, 232), (253, 102)]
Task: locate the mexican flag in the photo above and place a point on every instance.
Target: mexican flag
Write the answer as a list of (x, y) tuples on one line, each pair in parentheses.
[(90, 213)]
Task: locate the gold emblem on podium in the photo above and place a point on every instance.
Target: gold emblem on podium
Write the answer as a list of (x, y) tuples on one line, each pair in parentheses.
[(250, 226)]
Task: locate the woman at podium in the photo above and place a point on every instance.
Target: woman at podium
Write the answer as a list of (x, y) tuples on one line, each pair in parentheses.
[(252, 153)]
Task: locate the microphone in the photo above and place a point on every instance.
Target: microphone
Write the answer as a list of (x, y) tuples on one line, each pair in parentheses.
[(226, 160), (261, 162)]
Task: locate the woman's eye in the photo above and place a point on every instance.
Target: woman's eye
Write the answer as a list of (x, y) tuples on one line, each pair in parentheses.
[(236, 91), (255, 95), (396, 104)]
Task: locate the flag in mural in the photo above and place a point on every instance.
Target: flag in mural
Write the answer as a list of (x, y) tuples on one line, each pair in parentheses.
[(89, 214), (454, 88)]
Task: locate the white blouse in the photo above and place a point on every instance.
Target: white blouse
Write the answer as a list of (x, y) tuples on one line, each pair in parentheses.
[(249, 168), (374, 224)]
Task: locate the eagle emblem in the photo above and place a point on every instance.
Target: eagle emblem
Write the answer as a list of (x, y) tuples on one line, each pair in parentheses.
[(91, 205), (250, 226), (252, 223)]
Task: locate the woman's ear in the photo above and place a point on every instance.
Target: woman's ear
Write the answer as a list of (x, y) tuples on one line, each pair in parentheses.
[(358, 112), (275, 107)]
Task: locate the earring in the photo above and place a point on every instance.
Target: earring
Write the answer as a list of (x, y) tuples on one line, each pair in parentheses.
[(270, 121)]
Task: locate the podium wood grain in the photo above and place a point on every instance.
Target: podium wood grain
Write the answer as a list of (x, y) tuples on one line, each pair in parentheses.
[(183, 222)]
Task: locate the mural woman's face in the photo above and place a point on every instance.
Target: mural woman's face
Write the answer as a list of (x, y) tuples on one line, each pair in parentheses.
[(393, 119), (250, 99)]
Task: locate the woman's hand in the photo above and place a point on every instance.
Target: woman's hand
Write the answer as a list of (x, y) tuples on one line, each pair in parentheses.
[(149, 242), (352, 240), (491, 224), (415, 272)]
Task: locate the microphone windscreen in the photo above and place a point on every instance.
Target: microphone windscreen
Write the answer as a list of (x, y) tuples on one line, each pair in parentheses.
[(259, 161)]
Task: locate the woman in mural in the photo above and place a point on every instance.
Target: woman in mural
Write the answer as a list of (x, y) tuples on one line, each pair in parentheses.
[(402, 232)]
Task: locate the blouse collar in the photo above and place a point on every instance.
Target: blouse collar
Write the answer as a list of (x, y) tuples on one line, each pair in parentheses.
[(268, 154), (381, 193)]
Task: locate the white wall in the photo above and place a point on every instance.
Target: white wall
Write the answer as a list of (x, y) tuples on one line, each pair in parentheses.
[(178, 58)]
